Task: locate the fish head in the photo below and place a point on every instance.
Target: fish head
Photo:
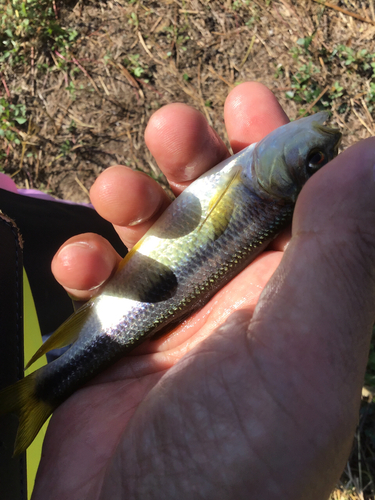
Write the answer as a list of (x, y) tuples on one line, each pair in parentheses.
[(287, 157)]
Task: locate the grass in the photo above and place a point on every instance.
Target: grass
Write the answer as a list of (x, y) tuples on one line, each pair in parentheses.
[(28, 25), (27, 28), (306, 87), (11, 116)]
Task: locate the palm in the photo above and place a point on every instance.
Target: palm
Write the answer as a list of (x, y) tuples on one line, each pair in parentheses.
[(88, 427)]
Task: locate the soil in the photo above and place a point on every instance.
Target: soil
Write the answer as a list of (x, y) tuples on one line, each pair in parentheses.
[(90, 108)]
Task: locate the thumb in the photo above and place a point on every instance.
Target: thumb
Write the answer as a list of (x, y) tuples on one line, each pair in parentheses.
[(313, 323), (325, 283)]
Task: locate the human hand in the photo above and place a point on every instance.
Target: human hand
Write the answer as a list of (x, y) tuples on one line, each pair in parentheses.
[(266, 406)]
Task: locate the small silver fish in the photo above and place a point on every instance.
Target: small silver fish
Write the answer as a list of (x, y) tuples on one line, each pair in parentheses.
[(212, 231)]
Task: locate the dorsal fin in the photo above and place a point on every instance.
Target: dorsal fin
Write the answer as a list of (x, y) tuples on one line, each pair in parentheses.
[(66, 334)]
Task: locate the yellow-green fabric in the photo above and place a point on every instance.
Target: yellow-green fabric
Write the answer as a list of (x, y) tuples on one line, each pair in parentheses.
[(32, 342)]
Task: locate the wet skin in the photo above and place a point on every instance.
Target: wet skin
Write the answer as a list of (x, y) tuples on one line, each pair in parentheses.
[(211, 408)]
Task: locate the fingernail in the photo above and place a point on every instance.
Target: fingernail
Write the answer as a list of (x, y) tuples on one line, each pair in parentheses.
[(73, 252), (135, 222), (79, 247)]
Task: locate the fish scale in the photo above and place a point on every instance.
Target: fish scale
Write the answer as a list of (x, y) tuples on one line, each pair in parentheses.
[(211, 232)]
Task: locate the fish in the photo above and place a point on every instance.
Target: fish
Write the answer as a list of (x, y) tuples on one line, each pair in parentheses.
[(208, 234)]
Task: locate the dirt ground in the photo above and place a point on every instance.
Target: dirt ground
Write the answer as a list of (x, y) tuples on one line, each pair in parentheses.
[(87, 108), (90, 108)]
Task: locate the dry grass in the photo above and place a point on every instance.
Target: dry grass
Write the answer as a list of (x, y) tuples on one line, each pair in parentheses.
[(88, 101)]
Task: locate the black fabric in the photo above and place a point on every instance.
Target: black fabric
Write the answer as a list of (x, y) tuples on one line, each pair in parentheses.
[(13, 484), (45, 225)]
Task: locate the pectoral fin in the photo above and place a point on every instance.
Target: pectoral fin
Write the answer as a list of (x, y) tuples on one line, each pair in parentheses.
[(66, 334), (221, 206)]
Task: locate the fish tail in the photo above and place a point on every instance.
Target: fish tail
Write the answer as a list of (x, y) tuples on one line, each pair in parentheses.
[(21, 398)]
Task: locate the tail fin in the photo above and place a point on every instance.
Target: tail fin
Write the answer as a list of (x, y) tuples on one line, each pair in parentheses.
[(21, 399)]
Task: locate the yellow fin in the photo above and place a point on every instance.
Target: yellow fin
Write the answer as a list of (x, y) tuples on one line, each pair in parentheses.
[(66, 334), (20, 398), (129, 255), (221, 208)]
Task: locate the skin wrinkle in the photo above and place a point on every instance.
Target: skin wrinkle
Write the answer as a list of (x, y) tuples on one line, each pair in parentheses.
[(310, 439), (115, 445), (193, 412), (311, 382), (93, 491), (367, 238), (349, 269), (196, 466), (330, 253), (277, 400), (349, 287), (235, 410), (174, 466), (213, 424), (157, 446), (119, 375), (82, 488), (258, 322), (262, 377), (366, 251), (332, 262), (276, 488), (222, 380)]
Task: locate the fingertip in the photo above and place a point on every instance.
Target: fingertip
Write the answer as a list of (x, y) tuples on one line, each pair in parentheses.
[(125, 197), (183, 143), (83, 264), (251, 111)]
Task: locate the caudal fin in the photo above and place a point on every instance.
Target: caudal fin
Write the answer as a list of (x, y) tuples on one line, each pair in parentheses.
[(21, 399)]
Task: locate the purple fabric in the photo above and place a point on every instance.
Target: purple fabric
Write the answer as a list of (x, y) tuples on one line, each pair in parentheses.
[(8, 184)]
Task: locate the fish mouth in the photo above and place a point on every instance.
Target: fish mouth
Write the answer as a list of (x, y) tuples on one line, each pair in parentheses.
[(327, 130), (335, 134)]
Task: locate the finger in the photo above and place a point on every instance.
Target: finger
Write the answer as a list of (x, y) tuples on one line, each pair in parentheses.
[(251, 112), (322, 299), (281, 242), (83, 264), (132, 201), (183, 144)]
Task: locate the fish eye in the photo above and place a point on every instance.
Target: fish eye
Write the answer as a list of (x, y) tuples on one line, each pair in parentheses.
[(315, 160)]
